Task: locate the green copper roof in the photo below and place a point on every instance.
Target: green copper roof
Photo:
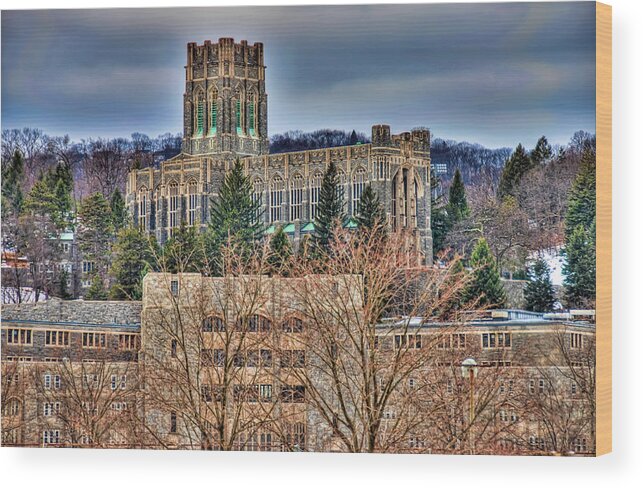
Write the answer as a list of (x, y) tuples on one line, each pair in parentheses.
[(270, 230), (289, 229), (309, 227), (351, 224)]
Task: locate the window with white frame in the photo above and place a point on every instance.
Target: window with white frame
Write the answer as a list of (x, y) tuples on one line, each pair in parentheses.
[(359, 183), (296, 196), (51, 437), (193, 202), (118, 381), (142, 208), (276, 198), (576, 341), (50, 408), (173, 207), (315, 188)]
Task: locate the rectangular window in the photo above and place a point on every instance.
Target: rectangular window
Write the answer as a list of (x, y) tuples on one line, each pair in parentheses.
[(142, 210), (94, 340), (56, 338), (51, 437), (293, 359), (576, 341), (266, 358), (174, 287), (173, 348), (293, 393), (496, 340), (19, 336), (265, 393), (173, 423), (129, 342), (118, 382)]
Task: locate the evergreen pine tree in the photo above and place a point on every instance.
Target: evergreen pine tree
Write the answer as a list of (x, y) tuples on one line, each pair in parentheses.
[(119, 210), (63, 290), (353, 139), (439, 215), (485, 285), (539, 291), (134, 254), (515, 168), (234, 216), (96, 230), (96, 290), (42, 201), (542, 152), (581, 209), (184, 251), (580, 267), (369, 210), (280, 252), (12, 179), (330, 209), (458, 208)]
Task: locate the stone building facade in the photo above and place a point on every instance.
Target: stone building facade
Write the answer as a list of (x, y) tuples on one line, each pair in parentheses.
[(225, 118), (210, 363)]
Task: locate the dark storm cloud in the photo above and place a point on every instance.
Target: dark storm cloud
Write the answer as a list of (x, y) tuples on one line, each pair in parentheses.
[(493, 73)]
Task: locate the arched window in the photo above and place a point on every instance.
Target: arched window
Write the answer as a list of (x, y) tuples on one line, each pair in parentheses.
[(359, 183), (296, 196), (193, 201), (213, 111), (173, 207), (142, 208), (315, 188), (257, 198), (259, 323), (276, 198), (199, 113), (12, 407), (213, 324)]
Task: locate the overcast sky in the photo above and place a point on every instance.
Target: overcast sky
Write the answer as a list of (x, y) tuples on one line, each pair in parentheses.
[(497, 74)]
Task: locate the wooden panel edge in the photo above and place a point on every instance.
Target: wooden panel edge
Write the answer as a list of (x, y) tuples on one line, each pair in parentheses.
[(603, 228)]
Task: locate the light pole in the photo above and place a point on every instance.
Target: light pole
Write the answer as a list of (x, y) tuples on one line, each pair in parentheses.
[(470, 370)]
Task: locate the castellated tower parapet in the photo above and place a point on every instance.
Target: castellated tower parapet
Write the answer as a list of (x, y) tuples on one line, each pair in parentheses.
[(225, 103)]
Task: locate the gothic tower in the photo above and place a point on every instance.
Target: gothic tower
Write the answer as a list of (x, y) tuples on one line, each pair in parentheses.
[(225, 102)]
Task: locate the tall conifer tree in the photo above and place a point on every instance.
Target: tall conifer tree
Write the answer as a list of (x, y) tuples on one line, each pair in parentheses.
[(330, 209), (234, 217), (458, 208), (134, 255), (485, 285), (539, 291), (515, 168), (370, 211)]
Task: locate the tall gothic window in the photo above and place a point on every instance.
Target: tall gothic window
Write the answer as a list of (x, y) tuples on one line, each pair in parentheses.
[(213, 112), (193, 200), (239, 115), (315, 188), (173, 207), (276, 198), (257, 197), (296, 196), (380, 170), (198, 120), (142, 208), (359, 182), (341, 187), (252, 123)]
